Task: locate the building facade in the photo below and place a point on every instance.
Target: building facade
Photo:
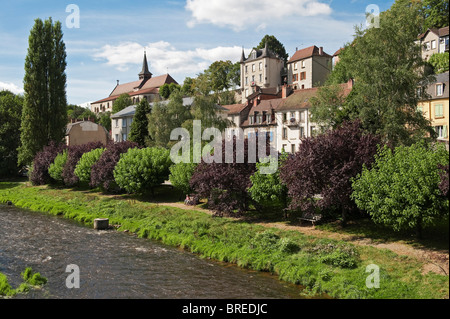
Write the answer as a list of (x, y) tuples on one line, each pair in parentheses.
[(86, 131), (434, 41)]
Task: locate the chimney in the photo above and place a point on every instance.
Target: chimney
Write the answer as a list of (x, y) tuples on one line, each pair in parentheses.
[(284, 92), (117, 82), (321, 51)]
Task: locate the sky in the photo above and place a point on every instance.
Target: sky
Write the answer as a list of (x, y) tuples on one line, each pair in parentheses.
[(106, 39)]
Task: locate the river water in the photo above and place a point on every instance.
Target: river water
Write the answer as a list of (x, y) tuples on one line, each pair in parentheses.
[(118, 265)]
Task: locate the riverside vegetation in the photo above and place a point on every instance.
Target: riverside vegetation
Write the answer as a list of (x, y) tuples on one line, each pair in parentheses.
[(31, 280), (321, 266)]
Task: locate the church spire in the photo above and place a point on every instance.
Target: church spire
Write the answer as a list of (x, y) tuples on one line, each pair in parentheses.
[(145, 73)]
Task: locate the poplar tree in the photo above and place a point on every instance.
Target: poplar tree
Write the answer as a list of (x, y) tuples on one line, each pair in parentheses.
[(139, 127), (44, 114)]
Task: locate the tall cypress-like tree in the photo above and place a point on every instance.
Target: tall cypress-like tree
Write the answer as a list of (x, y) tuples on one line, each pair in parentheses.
[(139, 127), (44, 114)]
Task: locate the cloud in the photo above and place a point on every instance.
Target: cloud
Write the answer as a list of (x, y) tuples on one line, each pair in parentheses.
[(163, 57), (241, 14), (11, 87)]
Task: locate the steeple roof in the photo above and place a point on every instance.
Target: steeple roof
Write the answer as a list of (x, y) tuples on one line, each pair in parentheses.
[(145, 73)]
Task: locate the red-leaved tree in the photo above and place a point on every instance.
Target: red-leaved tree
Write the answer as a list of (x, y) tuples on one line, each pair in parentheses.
[(319, 174), (102, 172), (39, 174)]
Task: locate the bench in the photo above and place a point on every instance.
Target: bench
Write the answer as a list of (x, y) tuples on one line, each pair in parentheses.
[(313, 218)]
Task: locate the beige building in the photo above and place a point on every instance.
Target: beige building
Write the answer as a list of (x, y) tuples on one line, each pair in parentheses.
[(262, 68), (147, 87), (436, 108), (308, 68), (434, 41), (83, 132)]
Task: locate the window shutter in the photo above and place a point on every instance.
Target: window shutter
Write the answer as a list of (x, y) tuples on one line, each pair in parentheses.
[(444, 133)]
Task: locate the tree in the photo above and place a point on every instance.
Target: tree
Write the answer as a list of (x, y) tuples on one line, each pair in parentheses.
[(39, 174), (10, 117), (121, 102), (44, 114), (102, 172), (180, 176), (319, 175), (140, 170), (104, 119), (139, 127), (385, 77), (56, 168), (444, 183), (84, 165), (439, 62), (164, 91), (268, 189), (166, 117), (274, 45), (401, 190), (435, 13), (187, 88)]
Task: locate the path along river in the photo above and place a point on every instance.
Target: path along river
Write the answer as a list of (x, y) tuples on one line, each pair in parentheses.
[(118, 265)]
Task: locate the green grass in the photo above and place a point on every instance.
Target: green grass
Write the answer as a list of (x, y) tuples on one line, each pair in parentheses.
[(31, 280), (321, 266)]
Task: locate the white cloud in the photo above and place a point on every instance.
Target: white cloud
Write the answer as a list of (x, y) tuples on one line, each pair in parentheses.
[(11, 87), (241, 14), (163, 57)]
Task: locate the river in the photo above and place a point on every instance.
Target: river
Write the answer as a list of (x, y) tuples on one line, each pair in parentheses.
[(118, 265)]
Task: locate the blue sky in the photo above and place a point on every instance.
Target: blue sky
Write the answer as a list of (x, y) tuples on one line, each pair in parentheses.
[(181, 37)]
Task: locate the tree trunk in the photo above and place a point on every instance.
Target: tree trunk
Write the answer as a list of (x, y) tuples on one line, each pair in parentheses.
[(344, 217)]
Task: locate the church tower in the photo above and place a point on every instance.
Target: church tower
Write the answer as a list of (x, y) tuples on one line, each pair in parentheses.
[(145, 74)]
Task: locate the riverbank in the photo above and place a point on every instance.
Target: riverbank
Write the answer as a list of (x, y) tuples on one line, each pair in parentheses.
[(321, 265)]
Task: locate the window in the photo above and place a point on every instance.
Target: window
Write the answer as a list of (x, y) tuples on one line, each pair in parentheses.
[(251, 119), (253, 79), (124, 137), (246, 80), (117, 138), (441, 131), (303, 64), (438, 110), (295, 66), (302, 116), (130, 121), (260, 66), (439, 89), (433, 44), (303, 76), (292, 148), (260, 78), (246, 69), (116, 122), (124, 122), (246, 92), (284, 147), (302, 132), (427, 46), (284, 133), (284, 117), (294, 77), (253, 67)]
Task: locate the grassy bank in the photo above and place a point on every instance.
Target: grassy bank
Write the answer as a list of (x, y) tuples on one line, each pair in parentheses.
[(321, 265)]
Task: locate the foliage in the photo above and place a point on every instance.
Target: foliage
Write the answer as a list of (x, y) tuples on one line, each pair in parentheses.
[(268, 189), (164, 118), (435, 13), (139, 127), (5, 287), (443, 185), (188, 87), (56, 168), (76, 112), (39, 174), (225, 185), (140, 170), (84, 166), (324, 165), (274, 45), (401, 190), (439, 62), (104, 119), (10, 115), (180, 176), (167, 89), (74, 154), (121, 102), (102, 172), (33, 278), (385, 77), (44, 115)]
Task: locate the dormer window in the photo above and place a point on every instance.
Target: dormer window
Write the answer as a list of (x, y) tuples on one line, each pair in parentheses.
[(439, 89)]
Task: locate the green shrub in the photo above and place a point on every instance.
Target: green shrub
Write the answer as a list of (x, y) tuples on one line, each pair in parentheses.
[(84, 166), (180, 176), (56, 168), (5, 287), (139, 170), (32, 278)]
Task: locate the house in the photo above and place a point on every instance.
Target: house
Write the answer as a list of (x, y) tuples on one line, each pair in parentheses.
[(262, 69), (85, 131), (121, 121), (433, 41), (436, 107), (147, 87), (308, 67)]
